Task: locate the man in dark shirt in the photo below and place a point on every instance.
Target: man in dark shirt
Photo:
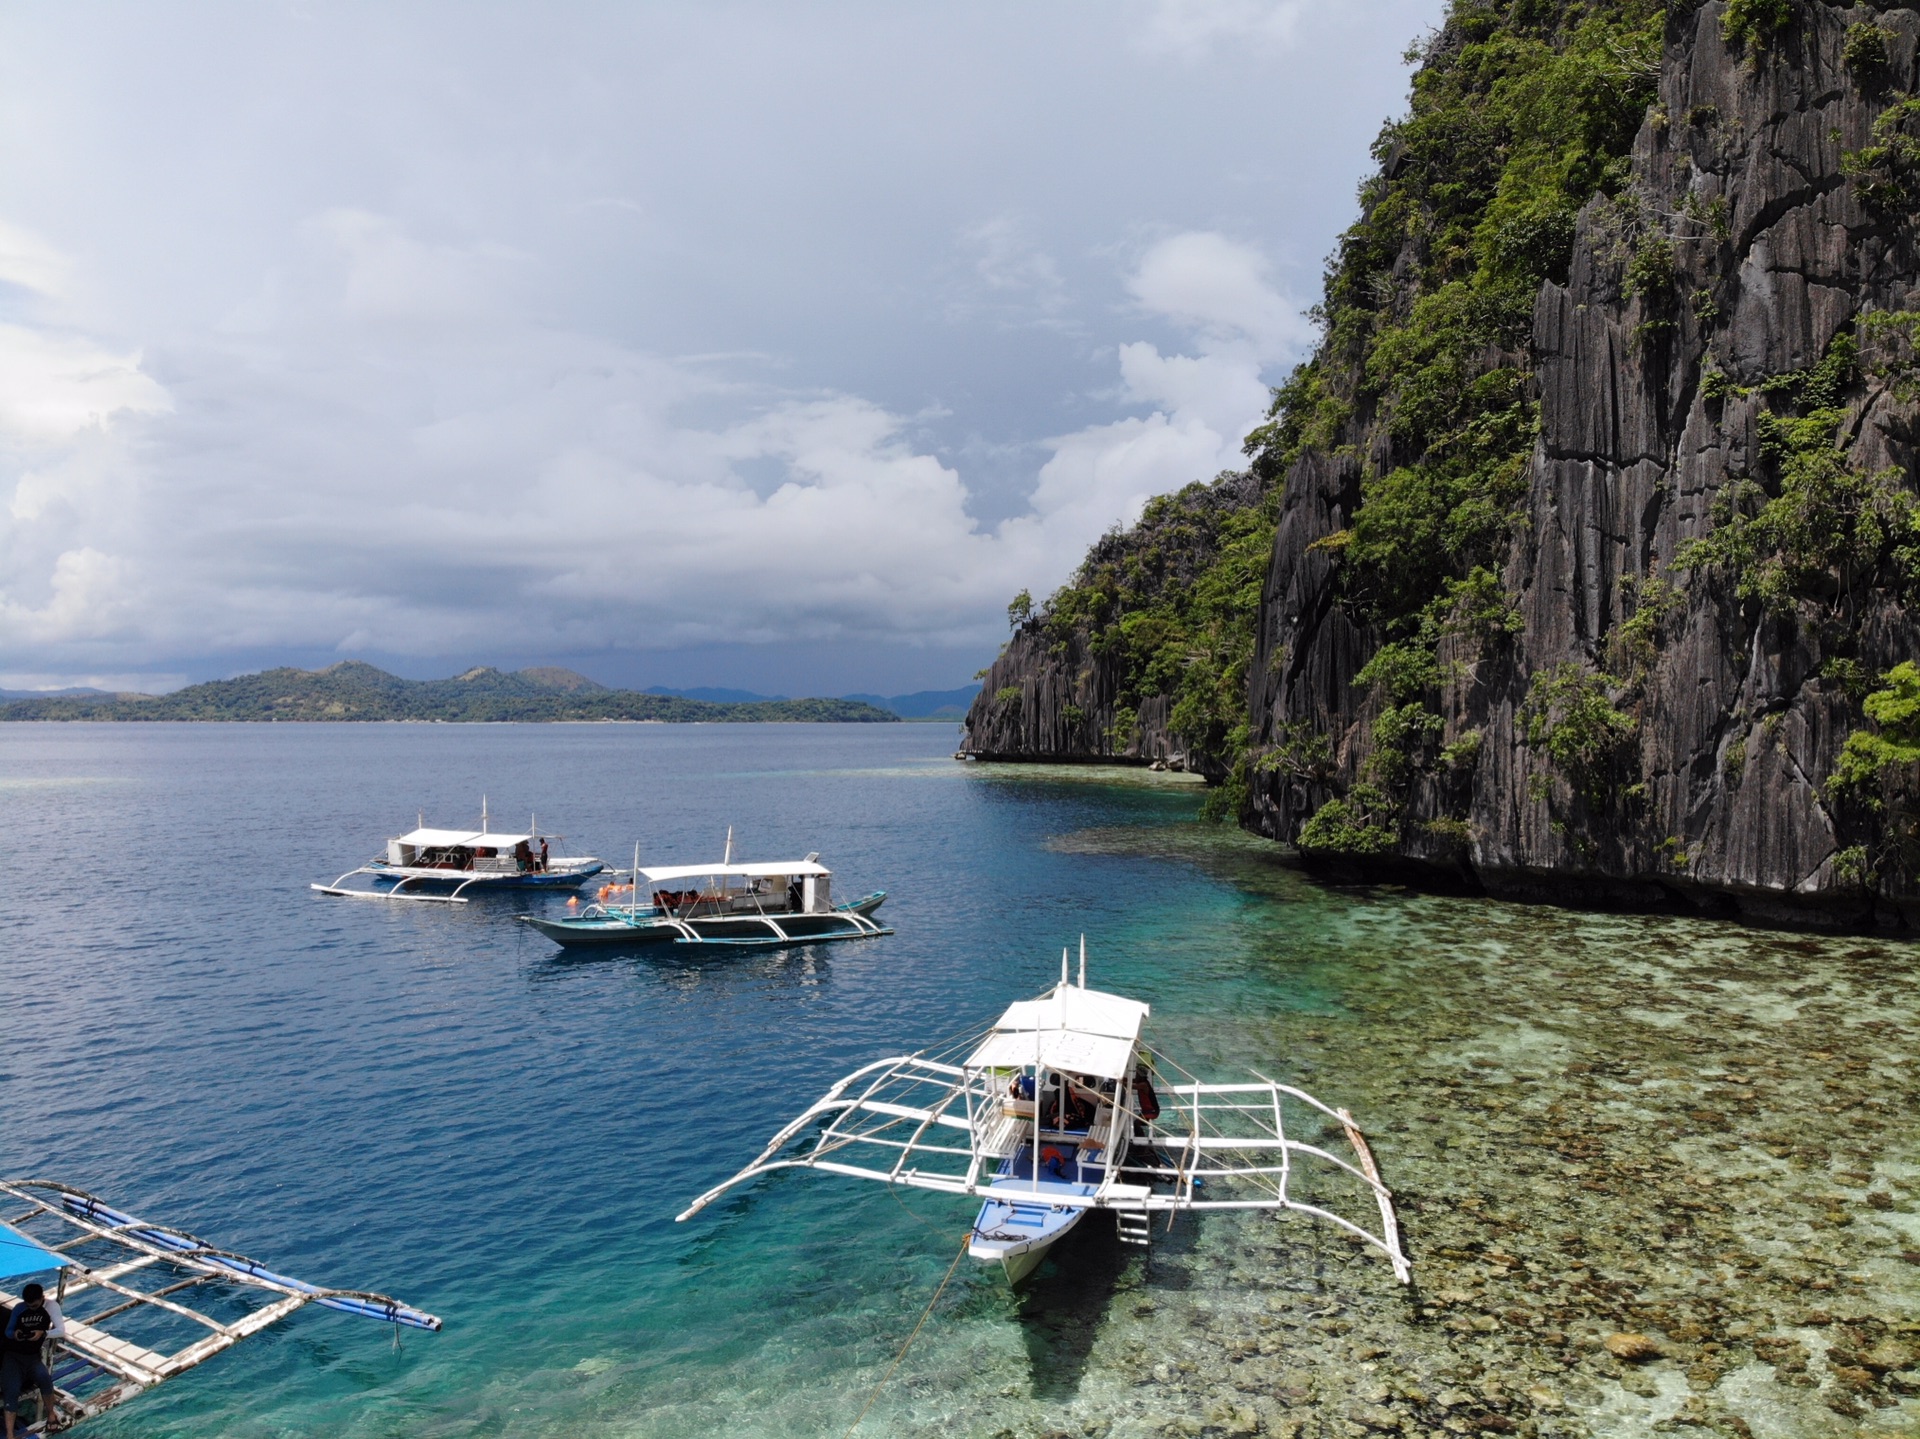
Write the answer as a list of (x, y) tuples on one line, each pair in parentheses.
[(23, 1355)]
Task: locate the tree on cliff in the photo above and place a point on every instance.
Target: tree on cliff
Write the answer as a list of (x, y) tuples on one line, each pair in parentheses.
[(1601, 534), (1592, 520)]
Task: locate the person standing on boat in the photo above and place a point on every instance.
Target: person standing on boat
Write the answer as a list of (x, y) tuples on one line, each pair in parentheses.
[(23, 1355), (543, 856)]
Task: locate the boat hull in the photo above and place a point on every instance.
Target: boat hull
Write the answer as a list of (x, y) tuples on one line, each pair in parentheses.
[(1018, 1225), (571, 877), (650, 927)]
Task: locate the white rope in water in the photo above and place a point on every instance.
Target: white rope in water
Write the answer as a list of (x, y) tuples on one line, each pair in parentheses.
[(871, 1398)]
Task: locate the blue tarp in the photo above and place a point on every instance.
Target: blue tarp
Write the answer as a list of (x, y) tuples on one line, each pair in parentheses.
[(21, 1257)]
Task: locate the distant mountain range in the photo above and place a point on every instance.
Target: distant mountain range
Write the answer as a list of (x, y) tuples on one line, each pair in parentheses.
[(921, 704), (50, 694), (358, 691)]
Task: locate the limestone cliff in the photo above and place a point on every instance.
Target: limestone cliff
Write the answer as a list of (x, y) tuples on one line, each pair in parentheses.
[(1590, 534), (1131, 662), (1712, 558)]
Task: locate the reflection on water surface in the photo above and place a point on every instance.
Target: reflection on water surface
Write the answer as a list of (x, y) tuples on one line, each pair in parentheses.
[(1597, 1124)]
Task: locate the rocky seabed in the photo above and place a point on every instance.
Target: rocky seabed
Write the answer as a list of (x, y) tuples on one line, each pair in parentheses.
[(1657, 1176)]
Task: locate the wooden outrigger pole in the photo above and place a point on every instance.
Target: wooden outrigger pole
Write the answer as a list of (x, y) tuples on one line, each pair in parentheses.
[(944, 1120), (104, 1265)]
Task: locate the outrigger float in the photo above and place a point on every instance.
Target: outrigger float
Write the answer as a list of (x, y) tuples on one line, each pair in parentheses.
[(1053, 1112), (100, 1264), (739, 905), (434, 859)]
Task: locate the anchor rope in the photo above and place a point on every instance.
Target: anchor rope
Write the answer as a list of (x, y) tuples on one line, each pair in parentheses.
[(893, 1193), (871, 1398)]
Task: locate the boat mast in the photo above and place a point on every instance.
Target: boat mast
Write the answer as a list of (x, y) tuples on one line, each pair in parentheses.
[(1083, 961), (727, 858), (634, 909)]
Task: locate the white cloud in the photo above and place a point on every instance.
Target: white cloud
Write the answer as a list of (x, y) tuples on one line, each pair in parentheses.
[(526, 487), (1219, 287), (391, 277), (140, 683), (91, 599), (1190, 29), (52, 386), (31, 263), (1203, 404), (1221, 390), (404, 360), (1009, 267)]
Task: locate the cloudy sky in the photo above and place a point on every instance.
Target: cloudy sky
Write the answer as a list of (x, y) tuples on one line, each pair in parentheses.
[(768, 345)]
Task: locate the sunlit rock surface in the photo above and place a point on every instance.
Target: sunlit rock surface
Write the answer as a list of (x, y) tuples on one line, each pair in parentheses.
[(1722, 802)]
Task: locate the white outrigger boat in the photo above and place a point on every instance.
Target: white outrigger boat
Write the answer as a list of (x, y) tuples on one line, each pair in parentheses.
[(1053, 1112), (739, 905), (433, 859), (101, 1265)]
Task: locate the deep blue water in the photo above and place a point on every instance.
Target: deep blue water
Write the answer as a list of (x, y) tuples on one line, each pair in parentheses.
[(432, 1101)]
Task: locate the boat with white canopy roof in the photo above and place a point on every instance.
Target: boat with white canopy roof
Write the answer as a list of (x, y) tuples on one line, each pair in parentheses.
[(426, 859), (768, 903), (1061, 1107), (173, 1301)]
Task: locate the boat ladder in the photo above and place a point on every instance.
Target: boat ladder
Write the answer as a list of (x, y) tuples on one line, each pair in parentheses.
[(1130, 1216)]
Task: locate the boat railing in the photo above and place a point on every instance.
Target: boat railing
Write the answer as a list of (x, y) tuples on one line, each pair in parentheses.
[(103, 1251)]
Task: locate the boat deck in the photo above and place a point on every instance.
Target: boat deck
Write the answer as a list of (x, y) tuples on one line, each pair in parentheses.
[(173, 1301)]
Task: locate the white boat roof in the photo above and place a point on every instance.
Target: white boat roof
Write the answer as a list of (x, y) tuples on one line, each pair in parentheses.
[(471, 838), (1081, 1031), (786, 867)]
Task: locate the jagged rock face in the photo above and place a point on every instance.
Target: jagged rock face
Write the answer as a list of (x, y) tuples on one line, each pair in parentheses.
[(1736, 731), (1060, 705), (1060, 692)]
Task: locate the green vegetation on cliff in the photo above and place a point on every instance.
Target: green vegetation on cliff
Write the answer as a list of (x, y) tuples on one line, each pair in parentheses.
[(1522, 112), (356, 691), (1170, 605), (1817, 532)]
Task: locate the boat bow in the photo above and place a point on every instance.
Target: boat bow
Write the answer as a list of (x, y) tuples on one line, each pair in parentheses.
[(945, 1121)]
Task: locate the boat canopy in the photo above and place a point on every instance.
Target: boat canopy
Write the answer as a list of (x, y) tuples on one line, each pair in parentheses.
[(21, 1256), (1081, 1031), (462, 838), (791, 868)]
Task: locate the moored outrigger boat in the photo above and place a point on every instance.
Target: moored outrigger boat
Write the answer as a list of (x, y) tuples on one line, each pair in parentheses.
[(779, 902), (1054, 1111), (427, 859), (154, 1284)]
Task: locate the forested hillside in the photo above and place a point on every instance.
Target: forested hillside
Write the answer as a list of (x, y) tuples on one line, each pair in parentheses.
[(1595, 525), (357, 691), (1145, 654)]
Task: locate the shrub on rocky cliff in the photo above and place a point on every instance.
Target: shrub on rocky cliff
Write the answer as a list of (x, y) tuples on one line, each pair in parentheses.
[(1521, 115), (1872, 756), (1710, 403), (1164, 612)]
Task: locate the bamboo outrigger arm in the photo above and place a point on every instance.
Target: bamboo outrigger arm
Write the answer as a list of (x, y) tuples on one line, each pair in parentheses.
[(97, 1252), (339, 891), (914, 1121)]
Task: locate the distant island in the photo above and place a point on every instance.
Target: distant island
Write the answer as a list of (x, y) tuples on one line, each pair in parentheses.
[(355, 691), (920, 705)]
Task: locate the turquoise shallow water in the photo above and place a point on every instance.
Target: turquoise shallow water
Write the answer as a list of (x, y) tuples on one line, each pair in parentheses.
[(437, 1103), (1703, 1134)]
